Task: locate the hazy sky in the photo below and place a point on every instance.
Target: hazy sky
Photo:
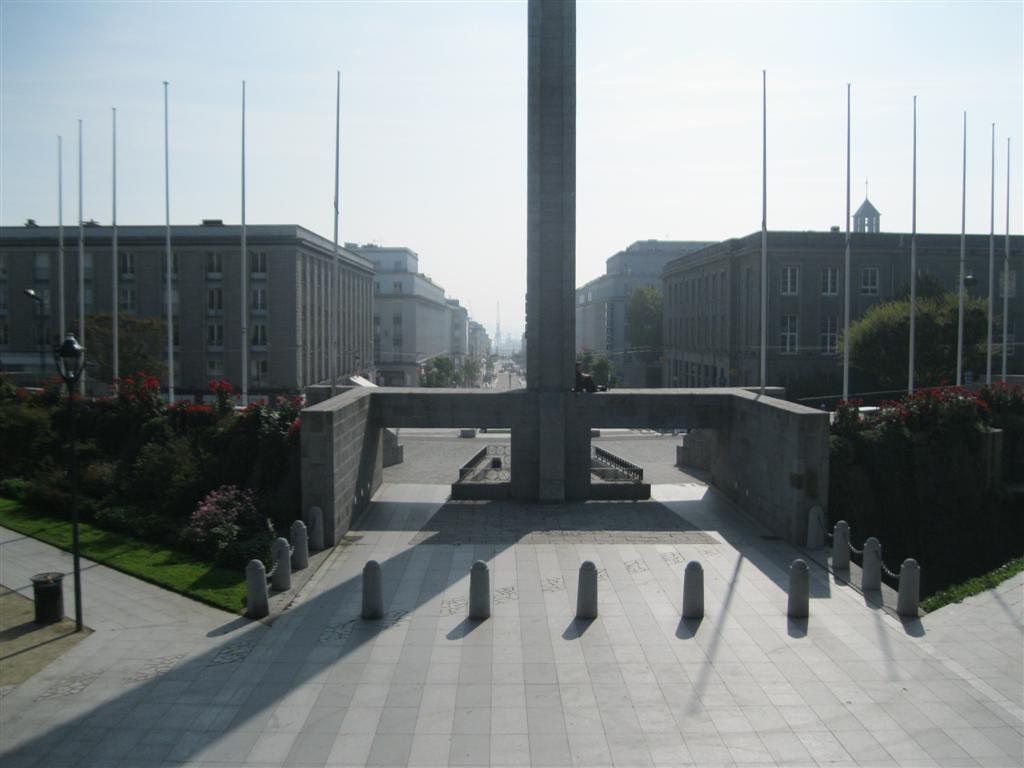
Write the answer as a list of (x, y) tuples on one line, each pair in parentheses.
[(433, 125)]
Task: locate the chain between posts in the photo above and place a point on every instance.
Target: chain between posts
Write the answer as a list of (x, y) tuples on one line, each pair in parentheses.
[(291, 551), (860, 552)]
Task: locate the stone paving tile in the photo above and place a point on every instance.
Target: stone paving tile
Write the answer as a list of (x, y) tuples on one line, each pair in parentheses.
[(637, 686)]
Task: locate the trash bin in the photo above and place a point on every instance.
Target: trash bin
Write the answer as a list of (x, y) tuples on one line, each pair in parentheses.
[(48, 591)]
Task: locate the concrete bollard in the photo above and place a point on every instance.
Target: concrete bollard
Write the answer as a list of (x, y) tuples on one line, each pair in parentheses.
[(586, 592), (799, 590), (816, 528), (479, 591), (871, 567), (315, 525), (910, 588), (373, 591), (841, 546), (300, 546), (693, 591), (282, 569), (257, 602)]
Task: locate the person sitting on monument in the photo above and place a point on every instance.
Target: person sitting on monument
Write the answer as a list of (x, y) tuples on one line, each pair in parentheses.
[(584, 381)]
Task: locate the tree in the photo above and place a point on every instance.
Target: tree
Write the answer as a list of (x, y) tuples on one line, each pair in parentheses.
[(880, 340), (644, 323), (602, 371), (439, 372), (141, 346), (586, 360), (470, 371)]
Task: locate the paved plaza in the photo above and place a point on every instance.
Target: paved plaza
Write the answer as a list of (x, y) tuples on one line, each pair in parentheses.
[(164, 681)]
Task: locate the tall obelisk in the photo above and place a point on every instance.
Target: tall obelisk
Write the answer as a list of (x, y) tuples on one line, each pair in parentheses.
[(551, 255)]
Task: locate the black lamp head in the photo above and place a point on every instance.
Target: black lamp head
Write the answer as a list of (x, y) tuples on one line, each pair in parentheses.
[(70, 357)]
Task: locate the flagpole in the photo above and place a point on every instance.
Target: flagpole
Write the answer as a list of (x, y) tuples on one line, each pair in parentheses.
[(963, 253), (846, 279), (764, 225), (81, 259), (1006, 263), (243, 267), (991, 266), (170, 255), (115, 303), (913, 255), (333, 340), (61, 327)]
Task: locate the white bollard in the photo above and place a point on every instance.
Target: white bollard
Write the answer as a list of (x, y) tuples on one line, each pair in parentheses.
[(479, 591), (841, 546), (373, 592), (315, 525), (693, 591), (282, 569), (257, 602), (871, 567), (816, 528), (300, 546), (799, 590), (910, 588), (586, 592)]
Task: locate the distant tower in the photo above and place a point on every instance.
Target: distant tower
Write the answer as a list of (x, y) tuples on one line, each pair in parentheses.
[(866, 218)]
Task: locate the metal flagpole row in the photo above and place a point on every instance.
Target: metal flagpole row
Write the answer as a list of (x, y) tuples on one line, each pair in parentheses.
[(243, 267), (1006, 263), (991, 266), (81, 260), (333, 294), (169, 272), (114, 302), (963, 253), (62, 328), (764, 225), (913, 254), (846, 278)]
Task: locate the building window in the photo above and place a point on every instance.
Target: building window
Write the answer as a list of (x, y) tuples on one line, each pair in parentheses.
[(396, 319), (259, 335), (127, 298), (176, 333), (214, 264), (214, 301), (399, 267), (259, 300), (790, 281), (88, 298), (215, 334), (126, 259), (869, 281), (3, 333), (3, 299), (1008, 284), (259, 370), (42, 266), (3, 266), (830, 281), (163, 265), (396, 287), (215, 367), (258, 262), (788, 335), (829, 335)]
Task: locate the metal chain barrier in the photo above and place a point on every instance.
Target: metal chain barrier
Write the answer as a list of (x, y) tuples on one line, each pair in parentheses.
[(272, 571)]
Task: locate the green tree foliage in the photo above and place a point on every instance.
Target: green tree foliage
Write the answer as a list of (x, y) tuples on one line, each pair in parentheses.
[(879, 341), (438, 372), (644, 323), (602, 371), (141, 346), (470, 372)]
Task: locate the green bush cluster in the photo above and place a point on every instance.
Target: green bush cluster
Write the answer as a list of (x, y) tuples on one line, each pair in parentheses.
[(147, 469), (914, 475)]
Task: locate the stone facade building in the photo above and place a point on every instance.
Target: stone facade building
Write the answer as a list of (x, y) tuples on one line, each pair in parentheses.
[(479, 341), (289, 314), (602, 302), (712, 303)]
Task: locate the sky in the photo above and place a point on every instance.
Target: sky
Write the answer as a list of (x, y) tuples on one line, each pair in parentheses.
[(433, 121)]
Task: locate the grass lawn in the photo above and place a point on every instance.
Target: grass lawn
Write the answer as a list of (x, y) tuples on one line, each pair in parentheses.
[(177, 571), (958, 592)]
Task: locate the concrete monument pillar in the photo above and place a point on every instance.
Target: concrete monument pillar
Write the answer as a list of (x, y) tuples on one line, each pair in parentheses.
[(548, 451)]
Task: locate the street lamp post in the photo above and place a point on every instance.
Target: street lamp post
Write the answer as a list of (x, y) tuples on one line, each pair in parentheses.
[(40, 307), (70, 359)]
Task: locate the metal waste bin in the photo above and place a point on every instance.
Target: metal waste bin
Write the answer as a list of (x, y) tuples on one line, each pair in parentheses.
[(48, 591)]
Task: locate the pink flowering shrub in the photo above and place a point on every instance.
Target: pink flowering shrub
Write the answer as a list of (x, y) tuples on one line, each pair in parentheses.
[(228, 527)]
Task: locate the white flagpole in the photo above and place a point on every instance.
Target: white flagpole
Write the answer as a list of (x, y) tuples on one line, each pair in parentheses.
[(333, 340), (81, 259), (846, 278), (764, 226), (991, 266), (243, 269), (62, 329), (963, 254), (170, 255), (913, 255), (115, 301), (1006, 262)]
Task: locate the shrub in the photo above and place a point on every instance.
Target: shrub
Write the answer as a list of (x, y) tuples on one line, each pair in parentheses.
[(14, 488), (165, 478), (227, 527)]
